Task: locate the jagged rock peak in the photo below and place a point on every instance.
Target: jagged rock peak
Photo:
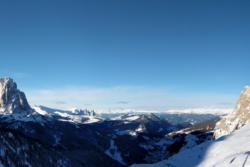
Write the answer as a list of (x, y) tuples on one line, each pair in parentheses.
[(238, 118), (86, 112), (12, 100)]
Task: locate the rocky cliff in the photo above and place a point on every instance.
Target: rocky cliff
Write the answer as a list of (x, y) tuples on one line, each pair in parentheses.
[(12, 100), (238, 118)]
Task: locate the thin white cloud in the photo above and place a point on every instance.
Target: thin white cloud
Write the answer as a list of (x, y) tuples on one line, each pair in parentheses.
[(143, 98)]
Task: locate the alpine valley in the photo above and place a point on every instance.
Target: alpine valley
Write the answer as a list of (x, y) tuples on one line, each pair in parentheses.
[(40, 136)]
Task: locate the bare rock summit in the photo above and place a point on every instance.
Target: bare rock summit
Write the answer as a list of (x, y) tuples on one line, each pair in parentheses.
[(12, 100)]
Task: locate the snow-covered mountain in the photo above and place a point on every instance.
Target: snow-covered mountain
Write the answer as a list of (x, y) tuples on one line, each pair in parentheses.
[(75, 115), (44, 138), (186, 117), (230, 149), (82, 138), (182, 113)]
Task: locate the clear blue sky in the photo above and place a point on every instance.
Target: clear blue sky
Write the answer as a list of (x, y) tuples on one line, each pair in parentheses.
[(192, 46)]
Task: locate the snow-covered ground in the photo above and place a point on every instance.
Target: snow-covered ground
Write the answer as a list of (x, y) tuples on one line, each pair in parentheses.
[(228, 151)]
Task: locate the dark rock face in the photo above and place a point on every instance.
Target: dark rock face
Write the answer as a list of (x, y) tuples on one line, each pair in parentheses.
[(12, 100)]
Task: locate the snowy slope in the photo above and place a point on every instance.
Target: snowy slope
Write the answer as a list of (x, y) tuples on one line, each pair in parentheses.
[(230, 151), (238, 118)]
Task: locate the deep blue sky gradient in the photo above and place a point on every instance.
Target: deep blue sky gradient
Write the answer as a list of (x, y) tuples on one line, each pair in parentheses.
[(186, 45)]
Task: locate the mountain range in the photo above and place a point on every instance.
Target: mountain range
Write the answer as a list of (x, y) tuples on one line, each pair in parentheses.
[(229, 148), (41, 136)]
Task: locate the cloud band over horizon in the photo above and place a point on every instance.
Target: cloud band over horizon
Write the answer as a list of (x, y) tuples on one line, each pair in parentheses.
[(135, 97)]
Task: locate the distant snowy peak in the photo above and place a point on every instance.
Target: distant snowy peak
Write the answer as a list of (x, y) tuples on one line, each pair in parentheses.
[(200, 110), (238, 118), (86, 112), (139, 117), (76, 115), (12, 100), (43, 110)]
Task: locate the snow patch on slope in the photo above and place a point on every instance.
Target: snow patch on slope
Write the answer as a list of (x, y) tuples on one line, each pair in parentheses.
[(114, 152), (230, 151)]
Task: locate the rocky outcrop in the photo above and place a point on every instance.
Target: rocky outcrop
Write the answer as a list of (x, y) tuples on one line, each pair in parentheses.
[(238, 118), (86, 112), (12, 100)]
